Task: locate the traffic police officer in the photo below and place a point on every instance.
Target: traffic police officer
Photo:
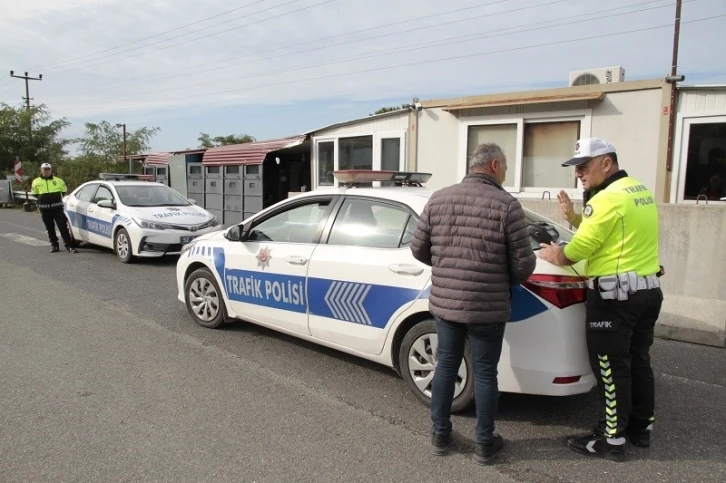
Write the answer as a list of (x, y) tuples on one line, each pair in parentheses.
[(618, 236), (49, 190)]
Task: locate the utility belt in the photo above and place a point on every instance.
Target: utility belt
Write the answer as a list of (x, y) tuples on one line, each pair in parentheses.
[(619, 287), (47, 206)]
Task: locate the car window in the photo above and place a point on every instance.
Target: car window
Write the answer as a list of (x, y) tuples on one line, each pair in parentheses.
[(86, 193), (368, 223), (408, 232), (296, 225), (150, 195), (103, 193)]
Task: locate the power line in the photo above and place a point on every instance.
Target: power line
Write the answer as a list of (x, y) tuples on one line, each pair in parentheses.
[(49, 66), (204, 36), (328, 46), (433, 61), (398, 50), (436, 15)]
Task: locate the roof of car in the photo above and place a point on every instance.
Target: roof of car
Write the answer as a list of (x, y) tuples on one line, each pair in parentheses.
[(395, 193)]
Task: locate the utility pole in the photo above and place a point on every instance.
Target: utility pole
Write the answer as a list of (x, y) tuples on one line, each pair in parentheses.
[(27, 88), (673, 79), (131, 161)]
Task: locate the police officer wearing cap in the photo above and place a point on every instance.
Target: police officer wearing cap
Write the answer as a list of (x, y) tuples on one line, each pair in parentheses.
[(49, 190), (617, 235)]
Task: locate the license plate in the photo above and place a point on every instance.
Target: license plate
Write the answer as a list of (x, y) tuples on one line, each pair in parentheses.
[(186, 239)]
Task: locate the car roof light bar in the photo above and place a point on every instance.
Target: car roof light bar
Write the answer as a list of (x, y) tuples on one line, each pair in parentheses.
[(351, 177), (126, 176)]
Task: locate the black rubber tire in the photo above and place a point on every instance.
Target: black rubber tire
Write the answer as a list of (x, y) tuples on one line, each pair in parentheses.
[(221, 317), (129, 257), (461, 402)]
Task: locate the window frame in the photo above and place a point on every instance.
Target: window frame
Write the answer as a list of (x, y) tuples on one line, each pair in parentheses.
[(332, 217), (377, 137), (94, 187), (584, 116), (682, 138), (108, 188)]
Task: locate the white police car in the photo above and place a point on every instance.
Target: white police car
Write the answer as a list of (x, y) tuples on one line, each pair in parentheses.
[(333, 266), (135, 218)]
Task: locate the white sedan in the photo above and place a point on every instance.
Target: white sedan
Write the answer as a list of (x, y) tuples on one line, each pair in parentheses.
[(135, 218), (333, 266)]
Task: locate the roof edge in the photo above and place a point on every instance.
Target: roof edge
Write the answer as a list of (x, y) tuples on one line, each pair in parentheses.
[(635, 85), (397, 112)]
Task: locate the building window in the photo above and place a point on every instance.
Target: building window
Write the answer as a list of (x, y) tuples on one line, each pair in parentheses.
[(706, 162), (505, 135), (378, 151), (326, 163), (546, 146), (535, 146), (355, 152)]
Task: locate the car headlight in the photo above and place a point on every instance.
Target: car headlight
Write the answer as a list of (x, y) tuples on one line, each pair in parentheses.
[(151, 225)]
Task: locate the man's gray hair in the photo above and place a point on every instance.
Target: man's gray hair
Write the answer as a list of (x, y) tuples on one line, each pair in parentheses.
[(485, 153)]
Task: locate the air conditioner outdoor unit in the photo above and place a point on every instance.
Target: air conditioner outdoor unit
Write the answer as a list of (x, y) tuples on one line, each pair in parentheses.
[(604, 75)]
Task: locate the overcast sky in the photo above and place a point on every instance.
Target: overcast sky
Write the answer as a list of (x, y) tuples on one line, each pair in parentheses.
[(272, 68)]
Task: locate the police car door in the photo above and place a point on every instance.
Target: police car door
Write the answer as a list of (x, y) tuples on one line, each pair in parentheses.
[(100, 219), (364, 276), (265, 275), (77, 211)]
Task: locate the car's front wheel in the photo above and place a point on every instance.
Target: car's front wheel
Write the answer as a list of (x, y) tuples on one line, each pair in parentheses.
[(417, 361), (204, 299), (122, 246)]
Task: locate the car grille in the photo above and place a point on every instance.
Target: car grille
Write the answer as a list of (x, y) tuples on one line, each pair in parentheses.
[(161, 247), (189, 227)]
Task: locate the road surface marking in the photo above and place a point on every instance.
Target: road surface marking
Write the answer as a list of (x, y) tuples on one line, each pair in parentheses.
[(26, 240), (22, 226)]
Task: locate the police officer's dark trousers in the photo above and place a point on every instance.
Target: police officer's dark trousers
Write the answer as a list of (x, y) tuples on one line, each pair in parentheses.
[(619, 337), (55, 216)]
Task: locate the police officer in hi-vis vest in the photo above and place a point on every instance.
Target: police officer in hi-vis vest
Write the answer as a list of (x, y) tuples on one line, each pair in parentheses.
[(617, 235), (49, 190)]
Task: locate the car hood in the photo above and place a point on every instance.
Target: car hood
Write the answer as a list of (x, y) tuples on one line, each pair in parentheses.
[(177, 215)]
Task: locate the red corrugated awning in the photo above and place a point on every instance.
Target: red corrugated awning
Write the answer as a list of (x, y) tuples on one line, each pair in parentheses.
[(247, 153), (157, 158)]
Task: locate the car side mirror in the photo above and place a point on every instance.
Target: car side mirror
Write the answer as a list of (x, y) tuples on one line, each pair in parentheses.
[(234, 233), (106, 204)]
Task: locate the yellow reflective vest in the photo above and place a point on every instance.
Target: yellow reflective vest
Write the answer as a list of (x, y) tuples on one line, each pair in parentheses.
[(619, 231), (49, 192)]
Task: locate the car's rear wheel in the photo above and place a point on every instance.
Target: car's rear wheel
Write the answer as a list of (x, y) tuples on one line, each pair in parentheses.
[(122, 246), (417, 360), (204, 299)]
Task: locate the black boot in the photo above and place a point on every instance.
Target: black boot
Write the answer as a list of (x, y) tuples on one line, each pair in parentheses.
[(54, 249), (440, 445), (70, 249), (599, 446), (484, 453)]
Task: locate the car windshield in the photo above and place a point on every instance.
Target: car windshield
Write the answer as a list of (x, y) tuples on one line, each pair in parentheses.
[(151, 195), (537, 223)]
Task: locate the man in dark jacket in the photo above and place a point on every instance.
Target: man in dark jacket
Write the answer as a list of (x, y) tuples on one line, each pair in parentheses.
[(474, 236), (49, 190)]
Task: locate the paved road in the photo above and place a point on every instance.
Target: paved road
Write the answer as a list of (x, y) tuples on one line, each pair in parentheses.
[(106, 378)]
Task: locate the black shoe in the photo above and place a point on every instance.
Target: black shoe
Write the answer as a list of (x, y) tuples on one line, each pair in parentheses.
[(484, 453), (70, 249), (440, 445), (640, 439), (598, 446), (54, 249)]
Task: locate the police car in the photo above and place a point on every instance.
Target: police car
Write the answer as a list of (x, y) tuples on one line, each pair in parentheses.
[(135, 216), (333, 266)]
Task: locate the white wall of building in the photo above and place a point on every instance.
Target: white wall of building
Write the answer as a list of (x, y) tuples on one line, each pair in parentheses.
[(376, 143), (628, 119)]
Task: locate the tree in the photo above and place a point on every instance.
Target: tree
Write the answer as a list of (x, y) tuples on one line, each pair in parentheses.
[(104, 141), (32, 135), (385, 109), (206, 141)]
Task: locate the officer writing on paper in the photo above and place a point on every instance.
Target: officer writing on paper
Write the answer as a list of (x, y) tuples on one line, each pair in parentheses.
[(618, 238), (49, 190)]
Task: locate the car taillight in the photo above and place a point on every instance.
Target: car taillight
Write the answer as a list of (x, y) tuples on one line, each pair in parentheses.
[(566, 379), (560, 291)]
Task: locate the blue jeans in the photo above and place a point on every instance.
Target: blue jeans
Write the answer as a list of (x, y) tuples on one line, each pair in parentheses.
[(485, 342)]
